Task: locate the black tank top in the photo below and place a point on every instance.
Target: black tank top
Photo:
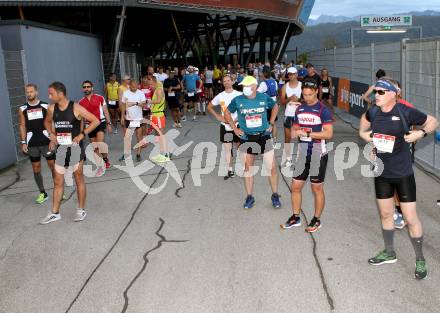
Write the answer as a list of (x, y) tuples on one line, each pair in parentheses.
[(34, 115), (325, 84), (65, 121)]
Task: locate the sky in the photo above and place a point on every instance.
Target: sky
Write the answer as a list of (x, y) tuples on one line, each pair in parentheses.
[(374, 7)]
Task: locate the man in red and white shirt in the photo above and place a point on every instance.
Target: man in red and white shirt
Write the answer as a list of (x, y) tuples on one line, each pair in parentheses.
[(96, 105)]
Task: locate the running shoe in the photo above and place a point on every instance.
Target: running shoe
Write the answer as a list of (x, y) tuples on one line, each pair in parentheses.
[(276, 203), (314, 225), (160, 158), (293, 221), (249, 203), (179, 125), (175, 125), (421, 271), (194, 118), (231, 174), (438, 202), (122, 158), (51, 217), (383, 258), (80, 215), (399, 222), (138, 157), (99, 172), (115, 131), (107, 164), (42, 197), (184, 118)]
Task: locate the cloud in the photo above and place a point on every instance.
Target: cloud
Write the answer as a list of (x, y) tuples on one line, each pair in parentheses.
[(357, 7)]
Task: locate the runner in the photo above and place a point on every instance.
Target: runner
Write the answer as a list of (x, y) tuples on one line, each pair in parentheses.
[(386, 125), (366, 96), (111, 94), (217, 76), (325, 92), (160, 75), (313, 125), (201, 105), (290, 98), (209, 75), (122, 88), (312, 75), (34, 137), (96, 105), (255, 135), (269, 86), (172, 89), (227, 135), (146, 88), (190, 87), (132, 102), (158, 119), (63, 122)]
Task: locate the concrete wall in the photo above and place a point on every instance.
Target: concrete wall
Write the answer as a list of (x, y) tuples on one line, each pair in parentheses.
[(70, 58), (7, 141)]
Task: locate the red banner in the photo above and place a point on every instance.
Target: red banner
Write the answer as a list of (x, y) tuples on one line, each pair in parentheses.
[(280, 9)]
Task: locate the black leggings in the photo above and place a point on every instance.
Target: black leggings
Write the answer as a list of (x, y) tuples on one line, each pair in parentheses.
[(404, 186)]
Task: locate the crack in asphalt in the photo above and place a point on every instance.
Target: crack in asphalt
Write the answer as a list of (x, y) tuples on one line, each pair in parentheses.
[(146, 260), (133, 214), (188, 168), (315, 256)]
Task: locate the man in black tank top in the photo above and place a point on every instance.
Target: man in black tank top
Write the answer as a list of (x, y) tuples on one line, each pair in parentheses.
[(34, 137), (63, 122)]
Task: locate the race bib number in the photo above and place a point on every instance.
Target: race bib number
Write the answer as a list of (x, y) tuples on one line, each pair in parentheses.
[(171, 94), (134, 124), (35, 114), (325, 90), (64, 139), (190, 94), (254, 121), (111, 102), (308, 130), (384, 143)]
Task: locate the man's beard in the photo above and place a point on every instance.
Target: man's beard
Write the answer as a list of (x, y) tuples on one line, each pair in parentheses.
[(31, 99), (87, 93)]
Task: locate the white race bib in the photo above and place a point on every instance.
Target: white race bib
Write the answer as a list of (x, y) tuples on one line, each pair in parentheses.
[(306, 129), (171, 94), (190, 94), (35, 114), (384, 143), (111, 102), (64, 139), (290, 109), (325, 90), (254, 121), (134, 124)]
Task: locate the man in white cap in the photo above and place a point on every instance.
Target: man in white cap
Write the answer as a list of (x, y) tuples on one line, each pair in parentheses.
[(255, 135), (189, 85)]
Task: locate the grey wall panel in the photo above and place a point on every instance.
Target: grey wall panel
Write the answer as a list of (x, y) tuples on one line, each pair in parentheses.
[(70, 58), (11, 39), (7, 140)]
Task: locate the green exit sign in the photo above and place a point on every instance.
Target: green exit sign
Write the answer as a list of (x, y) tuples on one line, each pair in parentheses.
[(387, 28)]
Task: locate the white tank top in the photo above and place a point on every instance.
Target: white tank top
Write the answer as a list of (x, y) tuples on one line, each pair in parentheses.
[(291, 108)]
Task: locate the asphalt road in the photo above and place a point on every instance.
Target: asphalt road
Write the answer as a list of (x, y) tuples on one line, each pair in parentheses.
[(194, 249)]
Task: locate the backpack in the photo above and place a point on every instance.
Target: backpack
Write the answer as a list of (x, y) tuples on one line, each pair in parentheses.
[(271, 87)]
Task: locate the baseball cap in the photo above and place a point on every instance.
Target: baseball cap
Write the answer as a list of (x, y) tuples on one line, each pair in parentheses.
[(249, 80), (126, 77), (292, 70)]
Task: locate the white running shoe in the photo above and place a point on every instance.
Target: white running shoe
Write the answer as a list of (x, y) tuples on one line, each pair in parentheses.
[(80, 215), (115, 131), (179, 125), (194, 118), (51, 217), (184, 118)]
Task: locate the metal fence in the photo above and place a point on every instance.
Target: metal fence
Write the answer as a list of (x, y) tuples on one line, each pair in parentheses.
[(415, 63)]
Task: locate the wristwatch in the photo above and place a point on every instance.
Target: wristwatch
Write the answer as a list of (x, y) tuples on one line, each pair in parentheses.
[(424, 133), (23, 142)]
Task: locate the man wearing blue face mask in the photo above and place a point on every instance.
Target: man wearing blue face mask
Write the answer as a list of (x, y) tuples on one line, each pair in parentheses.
[(255, 135)]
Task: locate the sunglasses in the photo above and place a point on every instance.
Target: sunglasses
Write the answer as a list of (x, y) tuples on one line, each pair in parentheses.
[(86, 87), (380, 92), (310, 84)]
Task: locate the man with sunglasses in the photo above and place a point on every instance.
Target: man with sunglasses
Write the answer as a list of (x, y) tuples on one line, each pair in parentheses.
[(386, 126), (96, 105), (313, 125)]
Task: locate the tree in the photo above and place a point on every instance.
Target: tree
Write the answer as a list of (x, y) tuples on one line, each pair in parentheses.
[(329, 42)]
